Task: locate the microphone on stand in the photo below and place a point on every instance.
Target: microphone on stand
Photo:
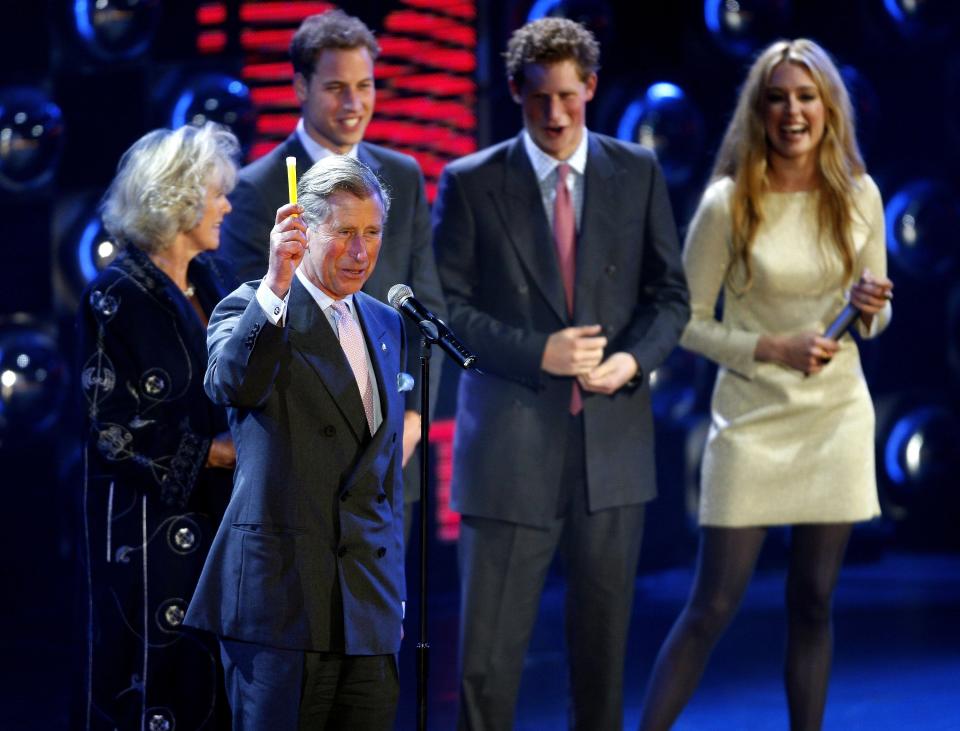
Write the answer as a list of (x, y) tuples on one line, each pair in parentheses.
[(435, 329)]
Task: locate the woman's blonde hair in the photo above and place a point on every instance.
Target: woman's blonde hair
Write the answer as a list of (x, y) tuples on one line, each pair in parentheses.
[(161, 183), (743, 152)]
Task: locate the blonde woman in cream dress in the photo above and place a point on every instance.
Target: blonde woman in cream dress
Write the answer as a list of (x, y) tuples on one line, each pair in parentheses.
[(789, 231)]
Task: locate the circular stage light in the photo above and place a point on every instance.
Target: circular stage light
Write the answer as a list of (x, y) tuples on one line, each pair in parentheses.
[(594, 14), (86, 250), (930, 20), (922, 221), (667, 122), (921, 448), (31, 139), (741, 27), (116, 29), (215, 97), (33, 383)]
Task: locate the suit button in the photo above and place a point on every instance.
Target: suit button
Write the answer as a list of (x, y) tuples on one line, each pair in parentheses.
[(329, 430), (522, 289), (343, 498), (381, 552), (611, 269), (342, 551), (381, 497)]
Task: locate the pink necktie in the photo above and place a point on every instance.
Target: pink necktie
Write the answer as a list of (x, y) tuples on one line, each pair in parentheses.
[(351, 340), (565, 238)]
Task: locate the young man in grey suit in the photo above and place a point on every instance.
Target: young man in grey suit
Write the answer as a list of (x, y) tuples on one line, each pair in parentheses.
[(333, 55), (304, 581), (560, 263)]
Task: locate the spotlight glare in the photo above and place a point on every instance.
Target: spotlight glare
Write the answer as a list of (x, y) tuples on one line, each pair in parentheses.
[(105, 249)]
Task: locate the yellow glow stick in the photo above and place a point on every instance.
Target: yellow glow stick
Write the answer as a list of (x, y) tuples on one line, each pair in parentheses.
[(292, 178)]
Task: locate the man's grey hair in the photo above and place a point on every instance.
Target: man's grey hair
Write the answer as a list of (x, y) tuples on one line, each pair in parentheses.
[(337, 174)]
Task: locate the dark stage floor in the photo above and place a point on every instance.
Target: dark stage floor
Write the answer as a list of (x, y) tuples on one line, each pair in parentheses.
[(896, 663), (897, 660)]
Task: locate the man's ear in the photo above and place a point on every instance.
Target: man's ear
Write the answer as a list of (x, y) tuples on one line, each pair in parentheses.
[(514, 90), (300, 84), (591, 85)]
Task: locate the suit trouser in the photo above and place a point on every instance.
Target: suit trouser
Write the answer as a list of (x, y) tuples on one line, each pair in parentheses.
[(292, 690), (503, 567)]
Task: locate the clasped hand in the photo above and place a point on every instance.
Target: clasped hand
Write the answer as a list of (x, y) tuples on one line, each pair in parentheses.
[(809, 352), (578, 351)]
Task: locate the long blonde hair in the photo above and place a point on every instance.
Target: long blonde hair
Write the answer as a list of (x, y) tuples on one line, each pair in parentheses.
[(743, 152)]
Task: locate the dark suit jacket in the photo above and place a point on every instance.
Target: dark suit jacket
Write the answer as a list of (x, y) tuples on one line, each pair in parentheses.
[(310, 552), (502, 282), (406, 255)]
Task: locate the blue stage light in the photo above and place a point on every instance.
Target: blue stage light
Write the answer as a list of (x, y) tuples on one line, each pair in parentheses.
[(94, 250), (116, 29), (922, 220), (666, 121), (31, 139), (743, 26), (931, 20), (216, 97), (922, 447), (33, 383), (542, 9)]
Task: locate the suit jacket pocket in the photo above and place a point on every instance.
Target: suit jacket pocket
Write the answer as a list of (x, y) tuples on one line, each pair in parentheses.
[(268, 529), (270, 597)]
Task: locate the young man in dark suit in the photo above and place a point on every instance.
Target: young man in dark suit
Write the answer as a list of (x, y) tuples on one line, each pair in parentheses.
[(333, 56), (560, 263), (304, 583)]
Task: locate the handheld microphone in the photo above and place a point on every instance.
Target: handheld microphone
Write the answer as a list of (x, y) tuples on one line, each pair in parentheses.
[(842, 322), (402, 299)]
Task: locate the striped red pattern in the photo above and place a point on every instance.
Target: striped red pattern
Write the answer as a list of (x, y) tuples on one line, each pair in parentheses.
[(426, 92)]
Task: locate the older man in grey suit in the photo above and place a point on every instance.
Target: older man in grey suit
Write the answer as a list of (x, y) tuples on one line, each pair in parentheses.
[(304, 582), (333, 58), (559, 259)]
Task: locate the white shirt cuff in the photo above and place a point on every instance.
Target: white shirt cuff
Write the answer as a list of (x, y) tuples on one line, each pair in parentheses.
[(273, 307)]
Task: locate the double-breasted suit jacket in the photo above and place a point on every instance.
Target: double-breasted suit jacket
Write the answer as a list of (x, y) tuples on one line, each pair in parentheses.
[(503, 287), (406, 255), (309, 555)]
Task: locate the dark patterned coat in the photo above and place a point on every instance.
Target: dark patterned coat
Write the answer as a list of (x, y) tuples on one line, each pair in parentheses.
[(151, 508)]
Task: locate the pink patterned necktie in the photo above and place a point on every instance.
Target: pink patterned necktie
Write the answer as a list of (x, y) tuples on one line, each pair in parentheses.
[(565, 238), (351, 340)]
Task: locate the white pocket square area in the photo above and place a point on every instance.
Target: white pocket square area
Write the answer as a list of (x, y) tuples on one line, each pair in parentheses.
[(404, 382)]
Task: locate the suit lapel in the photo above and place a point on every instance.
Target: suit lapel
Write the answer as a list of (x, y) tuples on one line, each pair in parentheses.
[(526, 225), (312, 336), (600, 195)]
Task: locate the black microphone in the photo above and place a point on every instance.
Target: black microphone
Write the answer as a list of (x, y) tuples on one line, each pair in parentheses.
[(402, 299), (842, 322)]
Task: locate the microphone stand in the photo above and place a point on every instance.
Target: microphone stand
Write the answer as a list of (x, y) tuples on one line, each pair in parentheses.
[(423, 645)]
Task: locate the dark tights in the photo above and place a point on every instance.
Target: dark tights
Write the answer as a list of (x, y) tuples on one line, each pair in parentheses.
[(725, 563)]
